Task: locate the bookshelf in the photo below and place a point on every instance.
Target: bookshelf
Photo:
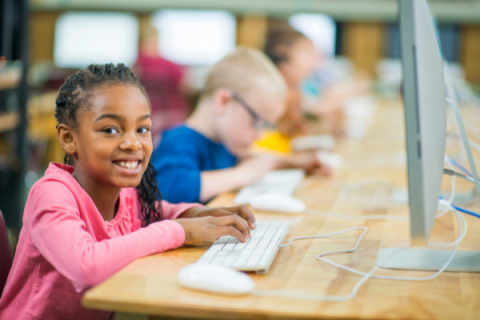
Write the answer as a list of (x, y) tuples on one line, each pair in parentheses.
[(13, 99)]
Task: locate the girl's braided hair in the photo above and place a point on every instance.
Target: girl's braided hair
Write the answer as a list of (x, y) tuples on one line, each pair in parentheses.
[(76, 92)]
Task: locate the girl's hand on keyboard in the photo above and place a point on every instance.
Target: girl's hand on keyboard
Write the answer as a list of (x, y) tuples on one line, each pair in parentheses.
[(211, 228), (242, 211)]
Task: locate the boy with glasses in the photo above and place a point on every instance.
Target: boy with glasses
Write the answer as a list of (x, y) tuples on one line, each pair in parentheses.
[(209, 154)]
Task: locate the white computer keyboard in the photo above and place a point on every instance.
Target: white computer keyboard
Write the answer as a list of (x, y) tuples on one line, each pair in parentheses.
[(256, 254), (283, 182)]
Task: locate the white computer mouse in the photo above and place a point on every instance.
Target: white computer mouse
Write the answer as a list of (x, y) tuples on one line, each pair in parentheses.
[(216, 279), (276, 202)]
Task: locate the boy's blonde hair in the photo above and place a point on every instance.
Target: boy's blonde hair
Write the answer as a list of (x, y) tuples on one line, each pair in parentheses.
[(243, 70)]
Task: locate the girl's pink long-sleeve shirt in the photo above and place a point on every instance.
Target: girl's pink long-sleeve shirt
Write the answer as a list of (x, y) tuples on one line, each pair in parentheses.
[(66, 247)]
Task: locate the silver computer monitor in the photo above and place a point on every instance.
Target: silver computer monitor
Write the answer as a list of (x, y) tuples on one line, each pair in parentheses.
[(424, 95), (425, 114)]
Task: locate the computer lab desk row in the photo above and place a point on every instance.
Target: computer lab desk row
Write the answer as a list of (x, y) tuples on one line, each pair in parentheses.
[(148, 288)]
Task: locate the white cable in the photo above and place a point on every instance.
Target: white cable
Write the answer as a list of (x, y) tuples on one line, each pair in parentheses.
[(366, 275), (462, 231), (329, 235), (350, 296)]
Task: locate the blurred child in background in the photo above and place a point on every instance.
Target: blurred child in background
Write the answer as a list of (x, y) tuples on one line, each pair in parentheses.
[(210, 153), (85, 221), (163, 81), (297, 59)]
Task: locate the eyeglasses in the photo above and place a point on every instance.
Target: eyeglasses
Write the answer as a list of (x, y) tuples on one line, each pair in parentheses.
[(258, 122)]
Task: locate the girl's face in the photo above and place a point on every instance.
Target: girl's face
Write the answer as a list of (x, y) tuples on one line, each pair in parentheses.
[(113, 142)]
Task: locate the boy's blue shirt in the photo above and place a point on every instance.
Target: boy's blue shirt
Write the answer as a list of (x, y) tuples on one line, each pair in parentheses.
[(182, 155)]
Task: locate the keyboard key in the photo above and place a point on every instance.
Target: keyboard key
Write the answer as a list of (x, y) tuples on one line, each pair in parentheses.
[(264, 260), (257, 252), (216, 247), (222, 239), (275, 239), (228, 262), (259, 234), (229, 246), (269, 233), (241, 245), (252, 261), (252, 243), (240, 262), (218, 260), (268, 251), (221, 253), (263, 244), (246, 252)]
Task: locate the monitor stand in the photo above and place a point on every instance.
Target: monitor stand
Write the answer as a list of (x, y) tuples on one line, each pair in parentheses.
[(428, 259)]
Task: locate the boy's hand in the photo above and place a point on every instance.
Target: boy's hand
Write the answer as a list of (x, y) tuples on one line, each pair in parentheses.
[(211, 223), (254, 167), (308, 161)]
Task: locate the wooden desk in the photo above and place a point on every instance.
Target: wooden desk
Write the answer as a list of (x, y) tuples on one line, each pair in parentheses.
[(149, 285)]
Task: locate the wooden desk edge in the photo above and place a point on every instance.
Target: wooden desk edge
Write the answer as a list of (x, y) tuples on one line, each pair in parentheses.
[(188, 312)]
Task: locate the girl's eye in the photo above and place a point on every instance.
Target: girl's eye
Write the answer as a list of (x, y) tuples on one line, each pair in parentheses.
[(111, 130), (143, 130)]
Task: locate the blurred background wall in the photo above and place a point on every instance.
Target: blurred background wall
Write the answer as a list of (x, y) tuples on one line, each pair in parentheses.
[(364, 25)]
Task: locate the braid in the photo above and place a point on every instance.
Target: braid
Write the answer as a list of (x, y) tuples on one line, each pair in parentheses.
[(76, 92), (149, 194)]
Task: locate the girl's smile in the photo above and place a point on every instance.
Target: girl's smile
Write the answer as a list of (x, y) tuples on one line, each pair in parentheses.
[(129, 166)]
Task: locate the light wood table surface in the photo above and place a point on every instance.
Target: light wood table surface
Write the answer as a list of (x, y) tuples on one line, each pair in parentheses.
[(149, 285)]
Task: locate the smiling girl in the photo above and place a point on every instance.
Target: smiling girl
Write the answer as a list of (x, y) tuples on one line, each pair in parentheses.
[(86, 220)]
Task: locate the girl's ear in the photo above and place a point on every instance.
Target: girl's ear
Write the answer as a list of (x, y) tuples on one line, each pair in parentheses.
[(66, 139), (221, 99)]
